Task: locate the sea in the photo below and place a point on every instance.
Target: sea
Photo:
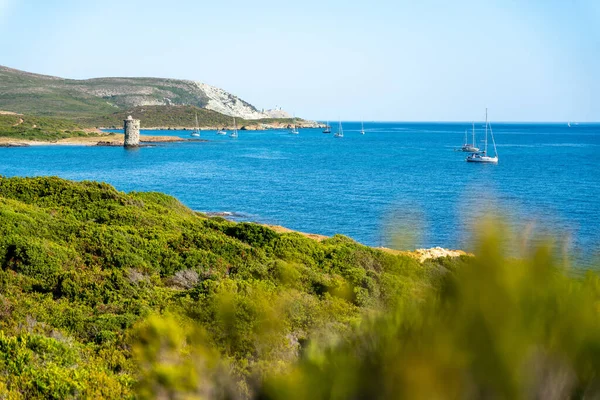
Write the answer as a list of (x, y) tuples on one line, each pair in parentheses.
[(400, 185)]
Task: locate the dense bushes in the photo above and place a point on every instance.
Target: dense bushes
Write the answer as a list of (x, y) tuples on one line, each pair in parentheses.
[(84, 266), (111, 295)]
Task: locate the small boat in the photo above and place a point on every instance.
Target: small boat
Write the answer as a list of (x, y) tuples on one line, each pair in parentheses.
[(362, 128), (196, 131), (327, 128), (221, 132), (569, 124), (294, 130), (470, 148), (234, 134), (340, 132), (482, 156)]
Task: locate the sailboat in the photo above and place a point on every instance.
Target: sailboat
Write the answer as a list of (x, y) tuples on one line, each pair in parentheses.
[(294, 130), (221, 132), (470, 148), (482, 157), (327, 128), (362, 128), (196, 131), (340, 132), (234, 134)]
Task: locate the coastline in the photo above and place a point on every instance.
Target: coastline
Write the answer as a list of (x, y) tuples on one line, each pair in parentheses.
[(420, 255), (101, 140), (250, 127)]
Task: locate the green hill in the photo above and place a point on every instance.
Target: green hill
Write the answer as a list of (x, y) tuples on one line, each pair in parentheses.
[(105, 294), (86, 268), (105, 102), (43, 95), (27, 127), (176, 116)]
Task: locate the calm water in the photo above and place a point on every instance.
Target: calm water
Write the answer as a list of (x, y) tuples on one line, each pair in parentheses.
[(398, 174)]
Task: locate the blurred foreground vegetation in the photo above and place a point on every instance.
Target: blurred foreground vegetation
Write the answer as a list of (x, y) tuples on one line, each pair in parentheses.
[(111, 295)]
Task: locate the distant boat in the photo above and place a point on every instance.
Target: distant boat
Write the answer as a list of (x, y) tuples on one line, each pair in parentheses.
[(340, 132), (234, 134), (196, 131), (569, 124), (221, 132), (362, 128), (294, 130), (327, 128), (482, 157), (470, 148)]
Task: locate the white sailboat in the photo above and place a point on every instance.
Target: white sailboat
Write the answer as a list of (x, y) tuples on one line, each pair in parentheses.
[(196, 131), (294, 130), (467, 147), (340, 132), (234, 134), (327, 128), (221, 132), (362, 128), (482, 157)]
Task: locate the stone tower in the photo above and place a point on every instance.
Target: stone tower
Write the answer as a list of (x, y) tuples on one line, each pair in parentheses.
[(131, 127)]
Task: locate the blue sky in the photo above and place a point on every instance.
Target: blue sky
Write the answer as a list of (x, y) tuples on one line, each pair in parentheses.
[(397, 60)]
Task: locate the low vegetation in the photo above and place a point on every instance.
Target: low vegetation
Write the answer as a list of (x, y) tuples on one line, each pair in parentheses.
[(174, 116), (111, 295), (89, 274), (27, 127)]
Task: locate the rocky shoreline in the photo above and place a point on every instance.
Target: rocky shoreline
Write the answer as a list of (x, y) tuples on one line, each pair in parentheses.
[(420, 255)]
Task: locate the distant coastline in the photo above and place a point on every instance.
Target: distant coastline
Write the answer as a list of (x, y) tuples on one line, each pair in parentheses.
[(100, 140), (247, 127)]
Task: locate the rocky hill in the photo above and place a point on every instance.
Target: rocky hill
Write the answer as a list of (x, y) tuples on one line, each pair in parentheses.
[(30, 93)]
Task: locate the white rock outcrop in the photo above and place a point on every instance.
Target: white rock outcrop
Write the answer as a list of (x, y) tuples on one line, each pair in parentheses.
[(228, 104)]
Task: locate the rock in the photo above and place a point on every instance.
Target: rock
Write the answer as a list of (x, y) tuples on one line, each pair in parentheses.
[(14, 144)]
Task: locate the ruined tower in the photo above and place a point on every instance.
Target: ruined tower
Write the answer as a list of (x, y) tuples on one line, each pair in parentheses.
[(131, 127)]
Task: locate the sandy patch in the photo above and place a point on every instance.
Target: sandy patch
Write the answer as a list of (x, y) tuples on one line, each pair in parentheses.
[(115, 140)]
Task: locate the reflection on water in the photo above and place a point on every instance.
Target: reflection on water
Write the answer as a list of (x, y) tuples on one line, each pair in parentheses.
[(311, 182)]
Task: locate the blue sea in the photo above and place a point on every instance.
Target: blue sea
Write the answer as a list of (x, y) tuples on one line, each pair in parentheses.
[(402, 185)]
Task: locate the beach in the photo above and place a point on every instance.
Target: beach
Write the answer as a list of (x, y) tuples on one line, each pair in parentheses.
[(101, 140)]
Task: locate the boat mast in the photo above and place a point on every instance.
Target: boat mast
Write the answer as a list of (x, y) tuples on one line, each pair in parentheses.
[(473, 134), (486, 130), (197, 123), (494, 142)]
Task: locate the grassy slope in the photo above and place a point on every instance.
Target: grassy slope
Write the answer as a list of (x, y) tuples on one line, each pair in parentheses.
[(36, 94), (26, 127), (83, 264), (40, 95), (46, 96), (172, 116)]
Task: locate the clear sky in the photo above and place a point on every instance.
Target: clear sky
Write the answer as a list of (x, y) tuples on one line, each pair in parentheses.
[(402, 60)]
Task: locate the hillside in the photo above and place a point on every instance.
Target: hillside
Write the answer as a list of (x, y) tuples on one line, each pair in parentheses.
[(30, 93), (27, 127), (184, 117), (111, 295), (85, 267)]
